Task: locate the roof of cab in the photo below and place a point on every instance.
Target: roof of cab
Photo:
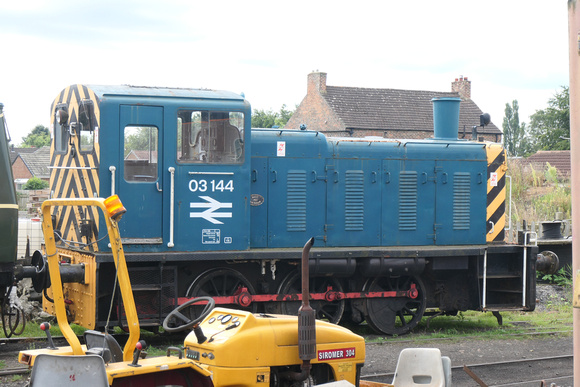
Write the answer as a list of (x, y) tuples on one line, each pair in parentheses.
[(151, 91)]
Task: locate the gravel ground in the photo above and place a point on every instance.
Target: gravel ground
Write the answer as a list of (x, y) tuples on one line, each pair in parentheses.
[(383, 358)]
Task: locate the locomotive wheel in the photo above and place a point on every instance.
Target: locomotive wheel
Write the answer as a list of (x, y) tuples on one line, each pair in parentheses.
[(330, 311), (220, 282), (397, 315)]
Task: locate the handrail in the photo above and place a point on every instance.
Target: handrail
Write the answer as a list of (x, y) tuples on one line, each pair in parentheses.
[(171, 206), (529, 237), (112, 168), (484, 278)]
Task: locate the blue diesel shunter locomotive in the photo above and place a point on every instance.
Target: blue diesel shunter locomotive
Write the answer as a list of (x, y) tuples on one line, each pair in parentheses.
[(215, 207)]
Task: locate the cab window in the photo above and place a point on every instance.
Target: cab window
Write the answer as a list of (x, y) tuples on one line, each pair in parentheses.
[(140, 153), (61, 132), (86, 128), (210, 137)]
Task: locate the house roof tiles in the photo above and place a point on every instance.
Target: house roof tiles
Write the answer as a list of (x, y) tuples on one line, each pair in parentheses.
[(393, 109), (38, 162), (559, 159)]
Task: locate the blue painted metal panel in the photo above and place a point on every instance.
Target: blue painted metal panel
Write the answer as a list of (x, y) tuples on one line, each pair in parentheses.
[(461, 203), (416, 212), (296, 201), (258, 202), (354, 207), (390, 202), (297, 143)]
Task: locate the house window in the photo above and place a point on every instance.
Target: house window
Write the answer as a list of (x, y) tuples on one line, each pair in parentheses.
[(140, 153), (210, 137)]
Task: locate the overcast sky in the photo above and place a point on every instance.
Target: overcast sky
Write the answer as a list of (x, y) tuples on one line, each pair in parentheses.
[(509, 49)]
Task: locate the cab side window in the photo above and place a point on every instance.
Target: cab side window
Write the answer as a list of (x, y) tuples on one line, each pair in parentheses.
[(210, 137)]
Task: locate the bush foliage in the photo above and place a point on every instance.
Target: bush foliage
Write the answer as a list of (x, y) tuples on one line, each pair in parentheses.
[(538, 195)]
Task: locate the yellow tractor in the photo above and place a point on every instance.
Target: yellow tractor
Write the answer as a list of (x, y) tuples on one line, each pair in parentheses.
[(225, 347)]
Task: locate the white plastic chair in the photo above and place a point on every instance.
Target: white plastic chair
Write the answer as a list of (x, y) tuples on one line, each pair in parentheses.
[(424, 367), (59, 371)]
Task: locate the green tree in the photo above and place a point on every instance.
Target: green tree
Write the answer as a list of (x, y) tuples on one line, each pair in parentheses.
[(284, 115), (35, 183), (269, 119), (140, 138), (512, 131), (515, 137), (551, 127), (39, 137)]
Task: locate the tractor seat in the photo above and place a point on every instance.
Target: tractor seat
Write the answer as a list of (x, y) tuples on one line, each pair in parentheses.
[(423, 367), (103, 345), (56, 370)]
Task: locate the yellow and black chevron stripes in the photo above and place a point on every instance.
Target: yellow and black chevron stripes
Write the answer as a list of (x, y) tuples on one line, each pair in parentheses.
[(496, 192), (74, 174)]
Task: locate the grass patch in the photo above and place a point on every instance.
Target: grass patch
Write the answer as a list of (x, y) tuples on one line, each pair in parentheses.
[(159, 351), (32, 329), (483, 325), (17, 378), (562, 277)]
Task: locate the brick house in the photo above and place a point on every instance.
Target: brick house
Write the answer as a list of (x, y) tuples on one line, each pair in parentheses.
[(389, 113), (29, 164), (558, 159)]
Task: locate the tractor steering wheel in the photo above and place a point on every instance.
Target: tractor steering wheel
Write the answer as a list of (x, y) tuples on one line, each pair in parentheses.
[(187, 322)]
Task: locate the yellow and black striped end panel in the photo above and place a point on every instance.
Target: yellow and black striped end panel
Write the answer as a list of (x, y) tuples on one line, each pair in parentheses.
[(496, 192), (74, 174)]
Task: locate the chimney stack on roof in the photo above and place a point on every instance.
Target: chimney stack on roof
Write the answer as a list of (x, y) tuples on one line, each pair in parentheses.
[(462, 86), (316, 82)]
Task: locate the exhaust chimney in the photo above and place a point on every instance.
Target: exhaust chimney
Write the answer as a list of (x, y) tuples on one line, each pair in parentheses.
[(446, 118)]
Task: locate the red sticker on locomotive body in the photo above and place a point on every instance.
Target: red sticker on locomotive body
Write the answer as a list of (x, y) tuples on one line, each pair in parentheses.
[(332, 354)]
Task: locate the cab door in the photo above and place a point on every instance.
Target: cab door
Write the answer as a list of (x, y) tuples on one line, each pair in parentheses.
[(140, 182)]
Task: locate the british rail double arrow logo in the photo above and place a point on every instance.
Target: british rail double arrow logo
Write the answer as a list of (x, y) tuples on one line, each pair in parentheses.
[(210, 213)]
